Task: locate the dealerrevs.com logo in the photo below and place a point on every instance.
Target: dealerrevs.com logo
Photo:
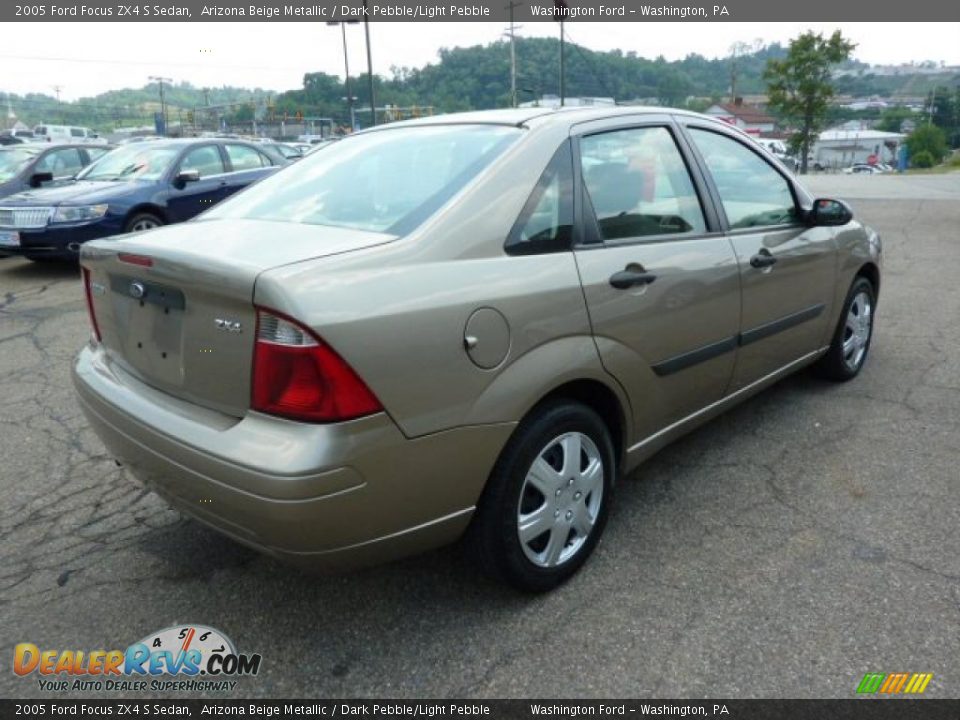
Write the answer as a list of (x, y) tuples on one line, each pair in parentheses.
[(183, 657)]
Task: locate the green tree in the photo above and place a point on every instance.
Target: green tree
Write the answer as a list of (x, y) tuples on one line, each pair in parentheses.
[(799, 86), (927, 139), (892, 119)]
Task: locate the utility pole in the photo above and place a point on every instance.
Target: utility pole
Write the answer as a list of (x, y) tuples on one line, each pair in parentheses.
[(346, 69), (366, 32), (513, 54), (561, 9), (57, 89), (163, 102)]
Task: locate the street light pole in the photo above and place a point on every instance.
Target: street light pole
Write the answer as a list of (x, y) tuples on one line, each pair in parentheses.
[(366, 31), (163, 102)]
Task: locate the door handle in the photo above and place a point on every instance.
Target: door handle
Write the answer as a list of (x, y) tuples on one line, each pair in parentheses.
[(631, 278), (763, 259)]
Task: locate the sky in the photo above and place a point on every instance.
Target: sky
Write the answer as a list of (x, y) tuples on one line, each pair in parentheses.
[(85, 59)]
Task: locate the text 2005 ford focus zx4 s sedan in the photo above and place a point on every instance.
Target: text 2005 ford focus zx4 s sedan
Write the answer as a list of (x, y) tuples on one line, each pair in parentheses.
[(468, 323)]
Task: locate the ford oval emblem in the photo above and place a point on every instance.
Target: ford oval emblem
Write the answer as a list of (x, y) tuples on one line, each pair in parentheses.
[(137, 290)]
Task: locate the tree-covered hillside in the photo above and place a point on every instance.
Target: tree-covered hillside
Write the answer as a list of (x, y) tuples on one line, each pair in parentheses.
[(467, 78)]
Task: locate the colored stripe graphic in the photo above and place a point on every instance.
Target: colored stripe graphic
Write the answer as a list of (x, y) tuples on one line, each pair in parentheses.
[(894, 683)]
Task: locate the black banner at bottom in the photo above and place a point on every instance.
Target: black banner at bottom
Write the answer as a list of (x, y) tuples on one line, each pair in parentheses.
[(854, 709)]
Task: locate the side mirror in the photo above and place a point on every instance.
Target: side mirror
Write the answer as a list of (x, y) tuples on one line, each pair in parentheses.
[(829, 212), (38, 179), (184, 177)]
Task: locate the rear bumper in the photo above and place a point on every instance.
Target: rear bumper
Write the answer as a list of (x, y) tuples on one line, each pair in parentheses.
[(324, 496)]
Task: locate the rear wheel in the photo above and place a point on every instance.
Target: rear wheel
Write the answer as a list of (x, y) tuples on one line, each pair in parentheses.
[(142, 221), (545, 505), (851, 340)]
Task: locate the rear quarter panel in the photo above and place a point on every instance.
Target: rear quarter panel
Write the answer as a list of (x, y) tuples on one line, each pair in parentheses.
[(397, 313)]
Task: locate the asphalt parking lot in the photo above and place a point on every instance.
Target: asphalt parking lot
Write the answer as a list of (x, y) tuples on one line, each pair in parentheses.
[(805, 538)]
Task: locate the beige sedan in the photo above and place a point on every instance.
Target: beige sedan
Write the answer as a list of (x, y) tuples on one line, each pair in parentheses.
[(472, 323)]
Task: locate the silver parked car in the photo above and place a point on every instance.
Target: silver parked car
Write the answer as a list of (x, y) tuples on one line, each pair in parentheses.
[(472, 323)]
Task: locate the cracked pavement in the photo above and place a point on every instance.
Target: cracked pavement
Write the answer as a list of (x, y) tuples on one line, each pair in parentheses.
[(783, 550)]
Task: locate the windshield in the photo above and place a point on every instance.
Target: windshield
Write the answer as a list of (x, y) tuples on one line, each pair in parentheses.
[(13, 161), (138, 162), (386, 181)]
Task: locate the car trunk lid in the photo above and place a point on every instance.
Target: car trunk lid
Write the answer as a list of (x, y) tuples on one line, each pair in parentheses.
[(174, 306)]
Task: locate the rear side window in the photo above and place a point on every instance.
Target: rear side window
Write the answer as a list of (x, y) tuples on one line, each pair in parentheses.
[(246, 158), (546, 222), (753, 193), (639, 185), (205, 160)]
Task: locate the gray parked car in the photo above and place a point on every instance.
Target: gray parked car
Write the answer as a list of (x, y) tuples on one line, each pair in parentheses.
[(472, 323), (27, 166)]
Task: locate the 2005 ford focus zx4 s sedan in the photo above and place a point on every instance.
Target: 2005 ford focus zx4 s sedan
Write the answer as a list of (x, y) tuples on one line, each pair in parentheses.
[(466, 324)]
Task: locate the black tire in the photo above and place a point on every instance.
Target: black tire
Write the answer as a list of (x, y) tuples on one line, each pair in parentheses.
[(140, 218), (835, 365), (494, 533)]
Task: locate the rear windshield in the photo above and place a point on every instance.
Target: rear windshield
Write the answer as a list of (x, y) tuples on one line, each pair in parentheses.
[(388, 181)]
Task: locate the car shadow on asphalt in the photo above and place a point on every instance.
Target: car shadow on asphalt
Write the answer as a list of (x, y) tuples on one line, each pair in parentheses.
[(448, 578), (44, 271)]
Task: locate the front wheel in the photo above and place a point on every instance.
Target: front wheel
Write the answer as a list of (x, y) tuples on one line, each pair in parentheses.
[(142, 221), (851, 340), (545, 505)]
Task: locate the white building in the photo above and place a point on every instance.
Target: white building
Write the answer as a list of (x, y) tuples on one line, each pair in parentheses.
[(842, 147), (553, 101)]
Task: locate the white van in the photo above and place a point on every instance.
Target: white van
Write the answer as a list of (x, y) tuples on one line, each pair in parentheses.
[(65, 134)]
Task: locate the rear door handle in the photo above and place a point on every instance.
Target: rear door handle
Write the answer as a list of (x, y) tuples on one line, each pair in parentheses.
[(763, 259), (631, 278)]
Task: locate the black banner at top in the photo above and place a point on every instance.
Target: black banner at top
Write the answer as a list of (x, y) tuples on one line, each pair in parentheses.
[(403, 709), (478, 10)]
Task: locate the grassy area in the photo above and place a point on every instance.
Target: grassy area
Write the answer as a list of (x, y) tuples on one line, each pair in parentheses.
[(952, 165)]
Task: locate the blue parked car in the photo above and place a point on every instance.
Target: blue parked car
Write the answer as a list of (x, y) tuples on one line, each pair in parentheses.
[(135, 187)]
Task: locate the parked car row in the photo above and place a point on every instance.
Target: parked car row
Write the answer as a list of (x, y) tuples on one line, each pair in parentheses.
[(868, 169), (134, 187)]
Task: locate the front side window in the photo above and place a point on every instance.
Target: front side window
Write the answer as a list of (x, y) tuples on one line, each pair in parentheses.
[(205, 160), (61, 163), (386, 181), (546, 222), (753, 193), (76, 132), (639, 185), (13, 161)]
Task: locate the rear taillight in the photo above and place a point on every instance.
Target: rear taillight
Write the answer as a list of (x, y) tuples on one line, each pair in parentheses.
[(297, 376), (89, 295)]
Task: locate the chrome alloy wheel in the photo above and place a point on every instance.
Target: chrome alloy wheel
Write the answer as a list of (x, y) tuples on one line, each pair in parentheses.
[(560, 500), (144, 224), (856, 332)]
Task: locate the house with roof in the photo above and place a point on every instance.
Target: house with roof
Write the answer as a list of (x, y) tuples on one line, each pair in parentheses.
[(749, 118)]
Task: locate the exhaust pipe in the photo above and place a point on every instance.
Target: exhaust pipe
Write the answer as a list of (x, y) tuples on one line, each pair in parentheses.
[(73, 247)]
